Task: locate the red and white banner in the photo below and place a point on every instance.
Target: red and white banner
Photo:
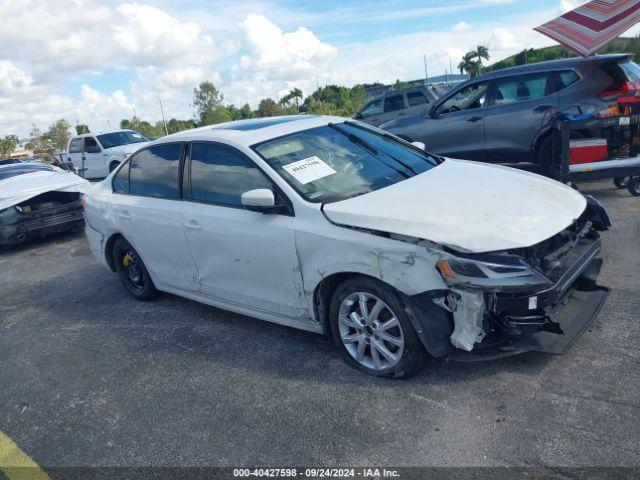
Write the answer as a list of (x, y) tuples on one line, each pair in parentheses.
[(591, 26)]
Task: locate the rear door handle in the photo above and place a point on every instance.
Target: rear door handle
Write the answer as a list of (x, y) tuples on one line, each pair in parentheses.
[(474, 119), (192, 225)]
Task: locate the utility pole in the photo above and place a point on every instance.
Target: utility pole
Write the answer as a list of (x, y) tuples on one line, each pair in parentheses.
[(162, 111), (426, 72)]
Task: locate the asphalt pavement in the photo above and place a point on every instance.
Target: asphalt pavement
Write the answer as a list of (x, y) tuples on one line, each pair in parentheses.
[(91, 377)]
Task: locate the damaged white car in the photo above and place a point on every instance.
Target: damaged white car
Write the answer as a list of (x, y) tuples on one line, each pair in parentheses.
[(38, 200), (334, 226)]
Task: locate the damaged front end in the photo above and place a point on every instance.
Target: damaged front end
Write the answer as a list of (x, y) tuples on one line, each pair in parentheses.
[(44, 214), (537, 298)]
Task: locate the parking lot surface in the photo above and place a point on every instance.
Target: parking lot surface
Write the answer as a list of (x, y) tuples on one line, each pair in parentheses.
[(91, 377)]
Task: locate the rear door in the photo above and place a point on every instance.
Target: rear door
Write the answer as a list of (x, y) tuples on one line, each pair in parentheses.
[(417, 102), (148, 212), (518, 108), (456, 128)]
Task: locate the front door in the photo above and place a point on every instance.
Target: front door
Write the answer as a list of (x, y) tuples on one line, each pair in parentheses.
[(456, 128), (242, 257), (148, 213), (94, 162), (517, 110)]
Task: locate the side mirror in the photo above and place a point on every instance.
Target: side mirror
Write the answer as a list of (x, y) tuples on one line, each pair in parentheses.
[(433, 112), (358, 116), (259, 200), (419, 145)]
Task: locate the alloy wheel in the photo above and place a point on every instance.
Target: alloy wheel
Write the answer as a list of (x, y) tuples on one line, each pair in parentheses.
[(370, 331)]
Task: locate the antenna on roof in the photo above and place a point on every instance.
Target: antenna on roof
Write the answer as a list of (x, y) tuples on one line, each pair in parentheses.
[(163, 120)]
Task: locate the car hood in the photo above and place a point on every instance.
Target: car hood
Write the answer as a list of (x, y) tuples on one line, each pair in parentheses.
[(15, 190), (128, 148), (468, 206)]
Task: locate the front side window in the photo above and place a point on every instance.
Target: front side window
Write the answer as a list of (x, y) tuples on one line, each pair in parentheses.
[(522, 89), (468, 98), (393, 103), (373, 108), (335, 162), (416, 98), (221, 175), (76, 145), (90, 145), (155, 171), (117, 139)]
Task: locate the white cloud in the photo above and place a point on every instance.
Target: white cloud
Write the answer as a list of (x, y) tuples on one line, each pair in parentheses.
[(12, 78), (461, 27), (282, 53), (503, 39)]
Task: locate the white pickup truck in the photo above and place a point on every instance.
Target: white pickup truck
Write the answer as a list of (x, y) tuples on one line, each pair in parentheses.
[(102, 152)]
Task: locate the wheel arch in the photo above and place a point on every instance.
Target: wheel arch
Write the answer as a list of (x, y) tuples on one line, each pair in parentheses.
[(432, 324), (108, 249)]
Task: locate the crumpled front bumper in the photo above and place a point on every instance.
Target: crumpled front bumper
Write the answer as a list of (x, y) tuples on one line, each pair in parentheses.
[(568, 310)]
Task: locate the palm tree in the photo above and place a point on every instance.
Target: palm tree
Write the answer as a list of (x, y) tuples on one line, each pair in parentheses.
[(296, 95), (480, 53), (468, 64)]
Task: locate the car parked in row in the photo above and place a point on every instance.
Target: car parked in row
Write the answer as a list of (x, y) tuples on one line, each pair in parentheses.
[(504, 116), (333, 226), (96, 155), (395, 104), (37, 200)]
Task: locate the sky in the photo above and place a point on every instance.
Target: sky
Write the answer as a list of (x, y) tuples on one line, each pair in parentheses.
[(96, 62)]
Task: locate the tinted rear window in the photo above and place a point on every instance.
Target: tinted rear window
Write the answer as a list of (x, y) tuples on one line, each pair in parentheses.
[(155, 171), (416, 98), (622, 71)]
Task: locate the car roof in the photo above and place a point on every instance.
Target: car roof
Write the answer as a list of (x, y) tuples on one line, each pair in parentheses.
[(572, 62), (93, 134), (251, 131)]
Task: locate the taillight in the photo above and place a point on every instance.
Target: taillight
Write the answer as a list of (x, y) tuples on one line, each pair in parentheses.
[(625, 88), (83, 200)]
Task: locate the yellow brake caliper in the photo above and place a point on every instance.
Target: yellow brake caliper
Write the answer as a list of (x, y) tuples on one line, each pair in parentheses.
[(126, 260)]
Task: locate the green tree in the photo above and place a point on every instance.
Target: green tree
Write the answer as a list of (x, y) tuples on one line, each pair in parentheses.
[(7, 145), (481, 52), (81, 128), (207, 101), (58, 135), (269, 108), (469, 65)]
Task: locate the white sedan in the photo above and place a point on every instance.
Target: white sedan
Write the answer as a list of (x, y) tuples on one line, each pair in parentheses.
[(336, 227)]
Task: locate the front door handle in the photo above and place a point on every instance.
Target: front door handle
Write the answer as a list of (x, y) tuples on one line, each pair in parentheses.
[(474, 119), (124, 215), (192, 225)]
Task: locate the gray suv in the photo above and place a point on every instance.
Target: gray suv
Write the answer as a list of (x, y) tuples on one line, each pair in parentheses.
[(504, 116), (395, 104)]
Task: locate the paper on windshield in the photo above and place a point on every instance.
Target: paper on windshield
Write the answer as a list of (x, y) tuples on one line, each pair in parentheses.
[(308, 170)]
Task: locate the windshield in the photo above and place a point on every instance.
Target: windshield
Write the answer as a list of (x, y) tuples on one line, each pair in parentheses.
[(15, 170), (339, 161), (116, 139)]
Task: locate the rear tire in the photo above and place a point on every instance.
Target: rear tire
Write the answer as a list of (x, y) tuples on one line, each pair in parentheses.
[(634, 186), (381, 341), (549, 164), (132, 271), (622, 182)]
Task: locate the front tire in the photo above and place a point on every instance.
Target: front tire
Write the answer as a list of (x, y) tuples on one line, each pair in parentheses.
[(370, 326), (132, 271), (634, 186), (622, 182)]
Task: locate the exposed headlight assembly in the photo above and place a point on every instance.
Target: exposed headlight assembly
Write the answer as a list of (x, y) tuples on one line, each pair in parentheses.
[(490, 272)]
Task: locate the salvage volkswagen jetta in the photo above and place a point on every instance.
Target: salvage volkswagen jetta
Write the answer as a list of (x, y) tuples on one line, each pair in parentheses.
[(333, 226)]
